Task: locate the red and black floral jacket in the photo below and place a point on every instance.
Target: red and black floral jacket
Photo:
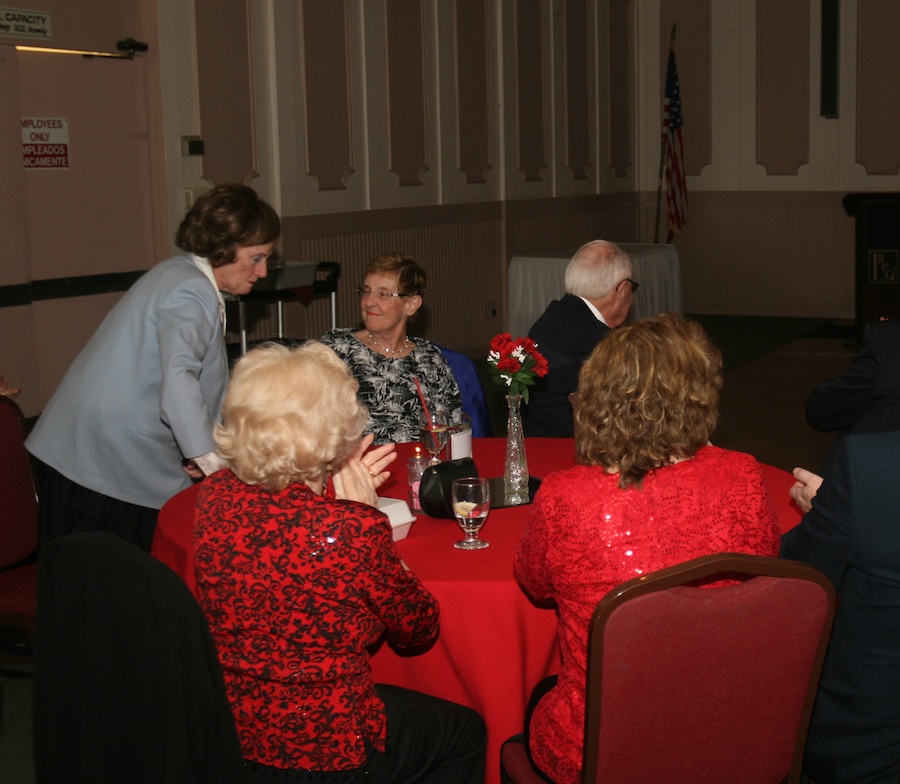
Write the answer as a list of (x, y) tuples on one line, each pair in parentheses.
[(296, 587)]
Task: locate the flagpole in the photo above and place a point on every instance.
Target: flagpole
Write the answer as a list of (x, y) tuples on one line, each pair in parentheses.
[(662, 153)]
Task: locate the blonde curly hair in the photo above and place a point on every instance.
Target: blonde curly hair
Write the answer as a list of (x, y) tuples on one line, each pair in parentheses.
[(289, 414), (649, 397)]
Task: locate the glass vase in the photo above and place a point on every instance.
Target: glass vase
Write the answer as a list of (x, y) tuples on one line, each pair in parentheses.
[(515, 473)]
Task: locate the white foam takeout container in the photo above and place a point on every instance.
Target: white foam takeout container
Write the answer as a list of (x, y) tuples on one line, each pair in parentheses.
[(399, 515)]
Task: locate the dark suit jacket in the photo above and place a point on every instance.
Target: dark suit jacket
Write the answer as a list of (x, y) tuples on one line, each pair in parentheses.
[(865, 398), (566, 334), (852, 534)]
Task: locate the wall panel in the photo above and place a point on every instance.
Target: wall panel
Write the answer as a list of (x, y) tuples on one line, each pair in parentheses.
[(227, 111), (693, 44), (318, 126), (327, 104), (469, 115), (472, 114), (532, 136), (878, 99), (401, 102), (782, 85), (408, 127), (580, 84), (618, 120)]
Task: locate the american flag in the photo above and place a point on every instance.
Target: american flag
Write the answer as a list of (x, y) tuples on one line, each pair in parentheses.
[(676, 189)]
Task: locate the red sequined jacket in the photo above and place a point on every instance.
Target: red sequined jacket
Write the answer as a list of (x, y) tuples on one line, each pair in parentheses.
[(585, 536), (296, 587)]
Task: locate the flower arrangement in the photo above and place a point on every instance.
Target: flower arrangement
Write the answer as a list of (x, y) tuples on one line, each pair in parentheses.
[(514, 362)]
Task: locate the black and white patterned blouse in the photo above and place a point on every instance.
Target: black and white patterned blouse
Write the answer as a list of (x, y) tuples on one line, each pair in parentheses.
[(387, 385)]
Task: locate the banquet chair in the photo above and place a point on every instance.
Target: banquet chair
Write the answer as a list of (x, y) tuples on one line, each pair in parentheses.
[(18, 538), (127, 683), (689, 684), (471, 392)]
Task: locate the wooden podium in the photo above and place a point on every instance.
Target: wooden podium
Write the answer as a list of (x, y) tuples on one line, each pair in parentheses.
[(877, 255)]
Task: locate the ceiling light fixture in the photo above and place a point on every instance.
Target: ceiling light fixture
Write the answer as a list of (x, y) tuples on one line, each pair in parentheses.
[(126, 50)]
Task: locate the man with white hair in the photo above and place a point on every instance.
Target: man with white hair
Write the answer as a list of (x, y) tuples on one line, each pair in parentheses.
[(599, 290)]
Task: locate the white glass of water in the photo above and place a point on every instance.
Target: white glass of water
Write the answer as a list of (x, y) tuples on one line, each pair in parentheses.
[(471, 499)]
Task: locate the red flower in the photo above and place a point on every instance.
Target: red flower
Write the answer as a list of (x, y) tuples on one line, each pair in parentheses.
[(511, 371), (509, 365), (500, 343)]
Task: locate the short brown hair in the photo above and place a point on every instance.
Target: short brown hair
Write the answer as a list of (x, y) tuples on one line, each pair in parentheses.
[(649, 396), (411, 278), (225, 218)]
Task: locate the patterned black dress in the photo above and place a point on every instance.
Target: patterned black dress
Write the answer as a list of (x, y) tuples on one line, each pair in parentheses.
[(387, 385)]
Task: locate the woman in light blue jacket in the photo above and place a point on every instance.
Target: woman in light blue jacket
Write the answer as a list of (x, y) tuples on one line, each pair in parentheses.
[(131, 423)]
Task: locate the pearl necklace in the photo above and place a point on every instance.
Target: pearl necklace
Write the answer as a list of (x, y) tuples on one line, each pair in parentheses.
[(387, 349)]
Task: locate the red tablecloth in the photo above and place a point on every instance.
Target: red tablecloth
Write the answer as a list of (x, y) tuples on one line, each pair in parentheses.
[(495, 645)]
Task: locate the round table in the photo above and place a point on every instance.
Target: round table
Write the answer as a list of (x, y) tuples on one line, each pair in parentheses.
[(495, 644)]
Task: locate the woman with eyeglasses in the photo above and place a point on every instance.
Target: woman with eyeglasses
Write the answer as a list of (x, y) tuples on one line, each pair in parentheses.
[(387, 361), (131, 423)]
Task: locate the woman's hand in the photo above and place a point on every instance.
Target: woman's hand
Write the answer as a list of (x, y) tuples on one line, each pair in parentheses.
[(377, 460), (363, 473), (353, 482), (805, 488), (193, 470), (6, 390)]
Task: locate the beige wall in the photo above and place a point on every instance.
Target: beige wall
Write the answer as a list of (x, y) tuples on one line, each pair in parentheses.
[(762, 253), (572, 150), (101, 217), (464, 131)]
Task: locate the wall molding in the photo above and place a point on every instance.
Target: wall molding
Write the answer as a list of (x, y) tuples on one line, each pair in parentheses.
[(62, 288)]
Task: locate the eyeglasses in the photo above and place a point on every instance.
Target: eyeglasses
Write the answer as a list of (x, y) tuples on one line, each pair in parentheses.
[(634, 284), (383, 294)]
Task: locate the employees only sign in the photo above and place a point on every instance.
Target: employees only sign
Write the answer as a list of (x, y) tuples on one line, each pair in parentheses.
[(45, 142)]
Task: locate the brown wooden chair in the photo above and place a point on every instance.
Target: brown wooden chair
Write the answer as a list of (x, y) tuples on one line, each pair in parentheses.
[(18, 538), (690, 684)]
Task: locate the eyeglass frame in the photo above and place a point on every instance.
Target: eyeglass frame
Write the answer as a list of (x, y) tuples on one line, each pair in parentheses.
[(634, 284), (382, 294)]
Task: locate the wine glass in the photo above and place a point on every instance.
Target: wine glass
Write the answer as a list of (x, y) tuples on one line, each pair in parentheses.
[(434, 430), (471, 500)]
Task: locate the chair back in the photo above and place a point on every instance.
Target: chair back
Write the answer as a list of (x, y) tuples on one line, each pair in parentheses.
[(471, 392), (689, 684), (19, 516), (127, 682)]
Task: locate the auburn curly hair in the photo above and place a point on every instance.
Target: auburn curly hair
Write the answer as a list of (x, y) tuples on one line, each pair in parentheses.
[(648, 397)]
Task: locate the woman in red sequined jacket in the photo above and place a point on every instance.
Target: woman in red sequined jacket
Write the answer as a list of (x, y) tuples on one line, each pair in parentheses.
[(649, 492), (298, 576)]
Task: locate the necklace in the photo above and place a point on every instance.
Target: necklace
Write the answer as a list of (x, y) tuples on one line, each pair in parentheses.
[(387, 349)]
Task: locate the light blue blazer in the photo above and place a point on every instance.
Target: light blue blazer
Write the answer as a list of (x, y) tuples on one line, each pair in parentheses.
[(144, 393)]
